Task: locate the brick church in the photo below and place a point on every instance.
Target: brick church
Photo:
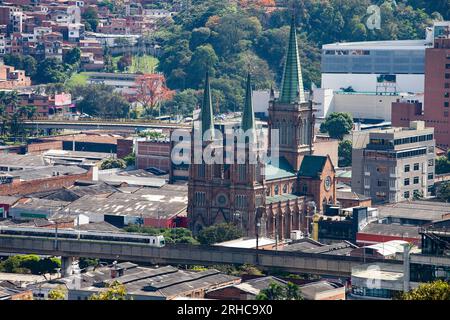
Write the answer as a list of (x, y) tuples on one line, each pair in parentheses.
[(272, 198)]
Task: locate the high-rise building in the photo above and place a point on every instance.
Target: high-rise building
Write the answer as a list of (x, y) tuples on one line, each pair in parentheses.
[(270, 198), (395, 164), (436, 107)]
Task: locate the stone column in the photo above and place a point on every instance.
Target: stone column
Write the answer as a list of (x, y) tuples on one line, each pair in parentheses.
[(67, 266)]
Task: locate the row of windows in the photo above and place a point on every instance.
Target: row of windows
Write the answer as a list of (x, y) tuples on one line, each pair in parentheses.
[(285, 189), (427, 137), (241, 201), (416, 193), (416, 166), (416, 180), (411, 153)]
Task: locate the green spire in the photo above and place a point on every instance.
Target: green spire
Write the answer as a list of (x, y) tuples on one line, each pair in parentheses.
[(207, 111), (292, 82), (248, 116)]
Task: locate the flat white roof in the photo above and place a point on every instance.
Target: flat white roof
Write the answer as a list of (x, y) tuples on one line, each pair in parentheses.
[(246, 243), (388, 248), (380, 45)]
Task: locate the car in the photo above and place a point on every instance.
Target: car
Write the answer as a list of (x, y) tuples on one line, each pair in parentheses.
[(156, 171)]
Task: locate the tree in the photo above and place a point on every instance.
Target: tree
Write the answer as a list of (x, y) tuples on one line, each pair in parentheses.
[(182, 103), (443, 191), (30, 264), (171, 235), (203, 59), (151, 90), (442, 165), (84, 263), (99, 100), (21, 62), (130, 159), (51, 70), (112, 164), (437, 290), (115, 291), (90, 17), (345, 153), (219, 233), (276, 291), (337, 124), (72, 56), (124, 62), (59, 293)]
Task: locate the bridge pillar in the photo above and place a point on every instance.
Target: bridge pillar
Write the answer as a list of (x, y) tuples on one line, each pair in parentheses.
[(67, 266)]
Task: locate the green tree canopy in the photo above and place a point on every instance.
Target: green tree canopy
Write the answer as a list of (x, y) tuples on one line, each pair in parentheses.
[(345, 153), (99, 100), (112, 164), (115, 291), (90, 17), (443, 191), (437, 290), (59, 293), (337, 124), (276, 291), (72, 56), (219, 233)]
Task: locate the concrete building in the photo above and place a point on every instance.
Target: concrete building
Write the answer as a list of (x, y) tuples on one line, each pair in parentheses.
[(394, 164), (365, 78), (402, 60), (41, 179), (11, 78), (361, 105), (435, 108)]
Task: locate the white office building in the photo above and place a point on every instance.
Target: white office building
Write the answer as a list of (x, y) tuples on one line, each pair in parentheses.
[(364, 78)]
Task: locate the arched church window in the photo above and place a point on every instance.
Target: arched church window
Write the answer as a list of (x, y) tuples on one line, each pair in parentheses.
[(276, 189), (285, 188)]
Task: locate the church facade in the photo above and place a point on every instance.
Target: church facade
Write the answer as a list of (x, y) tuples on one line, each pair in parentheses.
[(270, 198)]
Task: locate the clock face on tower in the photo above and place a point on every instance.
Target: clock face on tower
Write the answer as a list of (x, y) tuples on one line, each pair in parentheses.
[(327, 183)]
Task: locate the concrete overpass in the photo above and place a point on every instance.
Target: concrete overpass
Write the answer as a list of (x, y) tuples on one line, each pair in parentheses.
[(101, 125), (319, 264)]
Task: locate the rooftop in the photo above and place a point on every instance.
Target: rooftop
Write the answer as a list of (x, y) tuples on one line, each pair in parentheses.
[(148, 202), (163, 282), (383, 271), (349, 195), (415, 210), (18, 160), (312, 166), (46, 172), (279, 171), (310, 246), (249, 243), (381, 45), (396, 230)]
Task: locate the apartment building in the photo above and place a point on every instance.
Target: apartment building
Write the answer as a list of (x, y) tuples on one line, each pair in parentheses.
[(394, 164)]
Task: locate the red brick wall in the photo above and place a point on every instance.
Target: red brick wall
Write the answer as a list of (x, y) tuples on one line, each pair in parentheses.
[(153, 154), (124, 147), (40, 147), (53, 183)]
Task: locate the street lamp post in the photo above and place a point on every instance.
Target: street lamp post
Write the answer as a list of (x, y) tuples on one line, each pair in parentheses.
[(258, 215)]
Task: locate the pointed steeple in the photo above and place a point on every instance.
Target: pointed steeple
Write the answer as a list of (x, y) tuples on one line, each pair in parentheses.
[(207, 111), (292, 81), (248, 115)]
